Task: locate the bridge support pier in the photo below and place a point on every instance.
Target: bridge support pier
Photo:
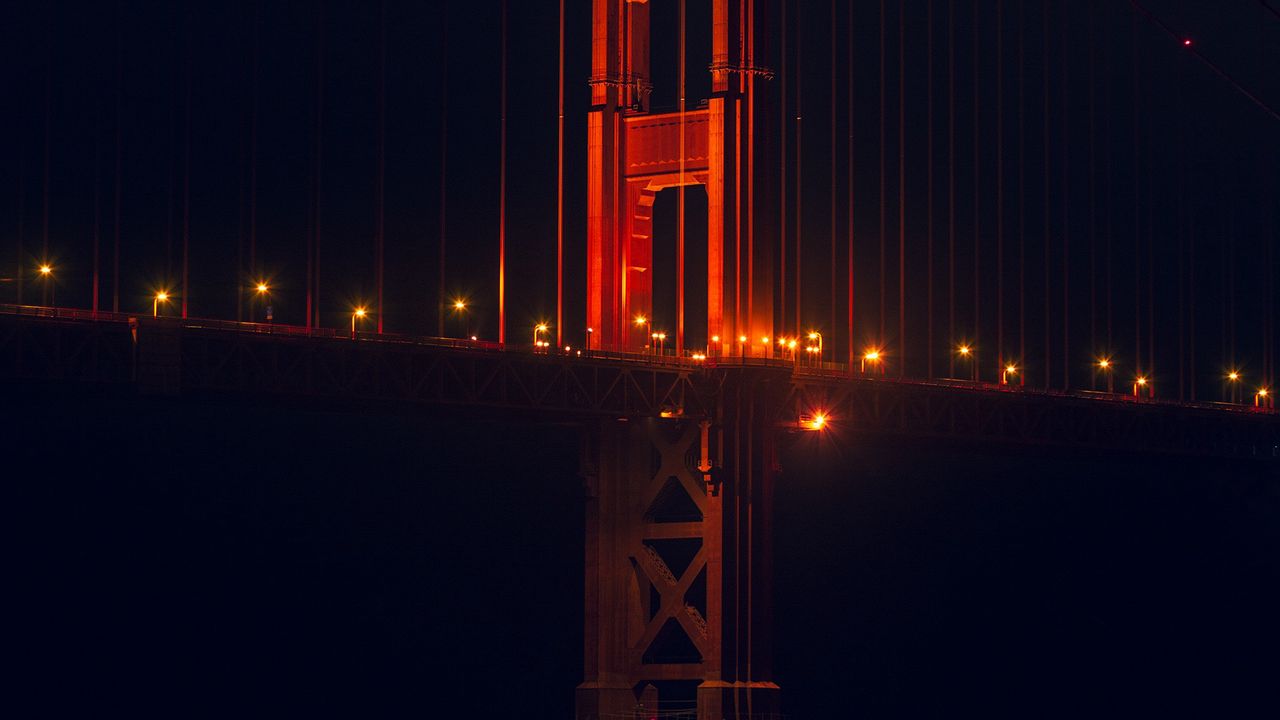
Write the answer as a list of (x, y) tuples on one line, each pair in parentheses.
[(679, 559)]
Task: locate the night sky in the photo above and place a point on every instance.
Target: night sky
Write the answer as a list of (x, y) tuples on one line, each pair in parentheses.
[(1160, 176), (329, 558)]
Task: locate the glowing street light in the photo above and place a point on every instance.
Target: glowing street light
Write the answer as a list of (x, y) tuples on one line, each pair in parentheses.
[(1105, 365), (1261, 398), (537, 333), (742, 345), (661, 338), (817, 422), (871, 356), (46, 273), (967, 352), (590, 332), (1233, 386), (459, 305), (161, 297), (815, 335), (648, 326), (1009, 370), (1141, 384), (357, 314), (263, 290)]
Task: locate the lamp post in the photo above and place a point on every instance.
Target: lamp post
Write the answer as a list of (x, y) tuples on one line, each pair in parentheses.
[(1008, 371), (1105, 365), (715, 343), (1233, 386), (46, 273), (460, 309), (590, 332), (660, 337), (967, 352), (815, 335), (263, 291), (742, 345), (871, 356), (1140, 385), (648, 328), (1262, 398), (357, 314), (160, 297), (537, 333)]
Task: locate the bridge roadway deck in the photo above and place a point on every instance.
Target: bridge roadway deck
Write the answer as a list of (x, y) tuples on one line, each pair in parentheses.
[(170, 356)]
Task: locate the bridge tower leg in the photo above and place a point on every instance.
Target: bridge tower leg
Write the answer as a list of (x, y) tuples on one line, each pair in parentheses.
[(679, 558), (632, 154)]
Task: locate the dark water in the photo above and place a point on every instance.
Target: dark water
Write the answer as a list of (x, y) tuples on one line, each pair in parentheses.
[(220, 556)]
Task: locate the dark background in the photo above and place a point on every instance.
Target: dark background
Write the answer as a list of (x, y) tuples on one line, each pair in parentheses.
[(236, 556), (182, 557), (1137, 217)]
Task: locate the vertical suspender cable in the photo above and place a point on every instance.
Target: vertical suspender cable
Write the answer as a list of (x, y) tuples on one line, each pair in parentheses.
[(253, 147), (902, 192), (1066, 224), (559, 186), (849, 180), (999, 183), (21, 216), (799, 160), (1048, 354), (502, 184), (782, 174), (977, 193), (1022, 182), (380, 231), (444, 159), (680, 196), (313, 289), (951, 186), (115, 252), (831, 318), (97, 200), (48, 128), (1093, 191), (929, 183), (880, 339), (186, 179), (1137, 208)]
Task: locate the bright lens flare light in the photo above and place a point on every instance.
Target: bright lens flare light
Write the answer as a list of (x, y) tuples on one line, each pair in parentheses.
[(162, 296), (45, 269), (1011, 369), (640, 320), (965, 350), (1233, 376), (262, 287), (1104, 363), (459, 305), (361, 312), (1141, 381), (872, 355), (818, 422)]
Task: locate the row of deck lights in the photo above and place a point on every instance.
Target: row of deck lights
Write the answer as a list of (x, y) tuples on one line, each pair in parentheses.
[(873, 357)]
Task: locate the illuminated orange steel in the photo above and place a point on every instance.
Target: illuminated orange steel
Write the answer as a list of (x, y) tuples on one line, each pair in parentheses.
[(633, 154)]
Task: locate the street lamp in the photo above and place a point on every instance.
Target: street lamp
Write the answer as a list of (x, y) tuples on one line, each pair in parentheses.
[(357, 314), (459, 308), (1260, 398), (1105, 365), (160, 297), (590, 332), (1233, 386), (660, 337), (1139, 384), (742, 345), (262, 289), (815, 335), (1009, 369), (46, 273), (871, 356), (648, 327), (968, 352), (537, 332)]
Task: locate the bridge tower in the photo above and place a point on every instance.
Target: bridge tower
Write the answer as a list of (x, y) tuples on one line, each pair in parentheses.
[(632, 154), (679, 556)]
